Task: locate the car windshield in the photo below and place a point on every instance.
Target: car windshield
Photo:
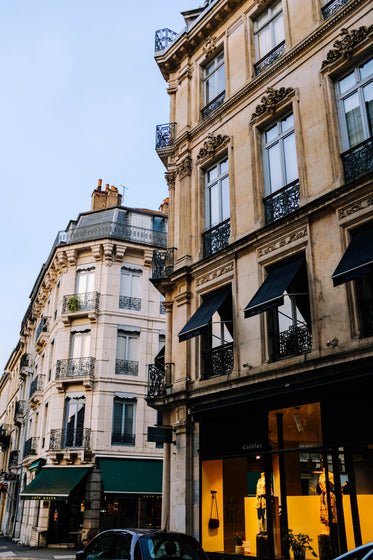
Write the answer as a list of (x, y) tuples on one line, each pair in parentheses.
[(166, 545)]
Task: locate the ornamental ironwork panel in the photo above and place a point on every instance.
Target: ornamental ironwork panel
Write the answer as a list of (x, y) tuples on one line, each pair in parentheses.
[(69, 438), (75, 367), (216, 238), (163, 263), (269, 59), (366, 317), (213, 105), (37, 384), (81, 302), (332, 7), (358, 160), (282, 202), (30, 447), (13, 458), (43, 327), (127, 367), (20, 409), (296, 340), (123, 439), (218, 361), (124, 232), (164, 135), (159, 379), (127, 302), (163, 38)]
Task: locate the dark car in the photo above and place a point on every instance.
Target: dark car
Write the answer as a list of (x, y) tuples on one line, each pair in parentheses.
[(142, 544), (363, 552)]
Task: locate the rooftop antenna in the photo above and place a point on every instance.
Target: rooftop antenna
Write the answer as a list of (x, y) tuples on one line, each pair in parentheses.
[(124, 188)]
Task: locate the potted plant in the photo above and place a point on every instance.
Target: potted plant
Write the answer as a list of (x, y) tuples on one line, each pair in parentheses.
[(239, 548), (298, 543), (73, 303)]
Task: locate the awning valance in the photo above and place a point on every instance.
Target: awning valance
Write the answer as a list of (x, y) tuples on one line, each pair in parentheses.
[(202, 316), (131, 476), (271, 292), (54, 483), (357, 259)]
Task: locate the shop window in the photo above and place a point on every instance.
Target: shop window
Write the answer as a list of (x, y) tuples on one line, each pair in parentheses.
[(355, 109), (213, 85), (123, 421), (130, 288), (269, 37), (217, 208), (127, 352)]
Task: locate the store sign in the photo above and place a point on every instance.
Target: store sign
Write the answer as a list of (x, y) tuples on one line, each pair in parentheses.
[(160, 434), (253, 447)]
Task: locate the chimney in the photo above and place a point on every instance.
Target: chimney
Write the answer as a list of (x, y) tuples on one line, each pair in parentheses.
[(105, 199), (164, 206)]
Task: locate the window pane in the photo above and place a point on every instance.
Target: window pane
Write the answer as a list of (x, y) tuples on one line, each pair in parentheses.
[(210, 89), (221, 80), (287, 123), (125, 283), (275, 170), (136, 286), (278, 29), (210, 68), (347, 83), (121, 347), (212, 174), (291, 168), (224, 167), (133, 348), (214, 205), (85, 344), (353, 120), (368, 98), (264, 42), (129, 413), (117, 419), (225, 199), (271, 134), (367, 69)]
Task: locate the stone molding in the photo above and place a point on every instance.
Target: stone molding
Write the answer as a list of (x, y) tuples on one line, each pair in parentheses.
[(170, 177), (210, 46), (184, 169), (344, 47), (356, 206), (211, 145), (270, 101), (215, 274), (282, 241)]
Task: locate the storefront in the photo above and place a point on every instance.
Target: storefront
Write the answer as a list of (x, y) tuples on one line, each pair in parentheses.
[(264, 467)]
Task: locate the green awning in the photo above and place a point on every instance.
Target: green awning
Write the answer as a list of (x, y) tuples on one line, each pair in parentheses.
[(131, 476), (54, 483)]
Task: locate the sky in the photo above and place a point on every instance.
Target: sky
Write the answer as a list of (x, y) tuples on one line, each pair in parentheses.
[(80, 97)]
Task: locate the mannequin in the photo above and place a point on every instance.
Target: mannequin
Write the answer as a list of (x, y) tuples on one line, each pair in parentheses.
[(261, 505), (324, 512)]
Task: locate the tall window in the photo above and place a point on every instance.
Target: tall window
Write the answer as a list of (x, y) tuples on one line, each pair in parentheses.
[(213, 85), (127, 353), (217, 211), (85, 280), (74, 420), (130, 288), (123, 421), (269, 36), (80, 344)]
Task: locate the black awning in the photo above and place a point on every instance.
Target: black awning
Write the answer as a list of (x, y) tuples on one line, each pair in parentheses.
[(357, 259), (271, 292), (202, 316)]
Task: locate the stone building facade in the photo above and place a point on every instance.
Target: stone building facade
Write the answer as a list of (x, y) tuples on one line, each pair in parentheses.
[(267, 377), (75, 454)]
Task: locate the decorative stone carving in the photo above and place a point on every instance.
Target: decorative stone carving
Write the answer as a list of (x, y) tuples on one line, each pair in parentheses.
[(356, 207), (148, 257), (119, 252), (72, 255), (108, 248), (344, 47), (215, 274), (184, 168), (211, 145), (210, 46), (269, 102), (170, 177), (96, 252), (282, 241)]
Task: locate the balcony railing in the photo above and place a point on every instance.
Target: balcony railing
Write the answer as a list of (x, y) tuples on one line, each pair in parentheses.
[(269, 59), (282, 202), (43, 327), (216, 238), (292, 342), (358, 160), (37, 385), (30, 447), (213, 105), (13, 458), (5, 436), (366, 317), (81, 302), (332, 7), (127, 302), (123, 439), (69, 438), (127, 367), (159, 380), (218, 361), (163, 38), (19, 410), (26, 361), (163, 263), (124, 232), (75, 367), (165, 135)]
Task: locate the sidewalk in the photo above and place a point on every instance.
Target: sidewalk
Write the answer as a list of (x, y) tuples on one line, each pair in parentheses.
[(12, 551)]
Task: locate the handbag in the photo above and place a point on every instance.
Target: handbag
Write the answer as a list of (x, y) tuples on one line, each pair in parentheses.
[(214, 515)]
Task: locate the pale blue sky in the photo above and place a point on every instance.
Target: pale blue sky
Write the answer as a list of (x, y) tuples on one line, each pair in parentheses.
[(80, 96)]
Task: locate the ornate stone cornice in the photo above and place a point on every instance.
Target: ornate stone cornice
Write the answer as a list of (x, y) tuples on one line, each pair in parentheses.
[(215, 274), (344, 47), (170, 177), (270, 101), (211, 145), (357, 206), (184, 169), (282, 241), (72, 255)]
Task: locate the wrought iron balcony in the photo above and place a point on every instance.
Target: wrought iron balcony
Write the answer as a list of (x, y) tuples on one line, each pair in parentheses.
[(216, 238), (81, 302), (218, 361), (5, 436), (163, 38), (69, 438), (269, 59), (127, 367), (37, 385), (213, 105), (292, 342), (165, 135), (366, 317), (123, 439), (19, 410), (358, 160), (115, 230), (332, 7), (282, 202), (75, 367), (163, 263), (26, 361), (30, 447), (159, 380), (127, 302), (42, 328), (13, 458)]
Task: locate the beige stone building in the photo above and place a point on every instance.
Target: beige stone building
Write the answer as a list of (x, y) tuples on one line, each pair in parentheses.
[(74, 418), (267, 375)]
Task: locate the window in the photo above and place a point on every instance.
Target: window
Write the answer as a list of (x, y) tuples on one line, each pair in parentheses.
[(85, 280), (280, 169), (330, 7), (130, 288), (269, 37), (123, 421), (213, 85), (217, 210), (80, 343), (355, 108), (74, 420), (127, 353)]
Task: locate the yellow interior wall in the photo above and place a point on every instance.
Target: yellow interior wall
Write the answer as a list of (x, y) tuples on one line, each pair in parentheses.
[(365, 505), (212, 479)]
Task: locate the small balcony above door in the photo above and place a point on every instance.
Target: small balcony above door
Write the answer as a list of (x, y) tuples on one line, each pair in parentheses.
[(80, 305)]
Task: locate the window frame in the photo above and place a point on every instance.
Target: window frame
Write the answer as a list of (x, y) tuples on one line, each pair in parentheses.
[(218, 64), (132, 365), (124, 403), (129, 300), (257, 28), (208, 185)]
